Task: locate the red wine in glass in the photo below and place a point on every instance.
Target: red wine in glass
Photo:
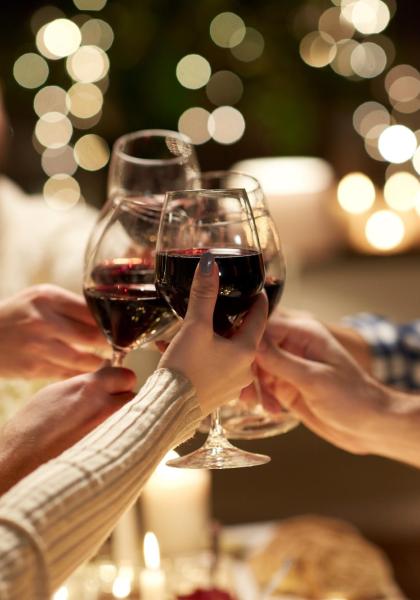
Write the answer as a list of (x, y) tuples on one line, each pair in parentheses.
[(240, 281), (274, 289), (125, 303)]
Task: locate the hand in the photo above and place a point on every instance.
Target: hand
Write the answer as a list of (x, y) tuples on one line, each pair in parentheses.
[(41, 331), (57, 417), (217, 367), (304, 368)]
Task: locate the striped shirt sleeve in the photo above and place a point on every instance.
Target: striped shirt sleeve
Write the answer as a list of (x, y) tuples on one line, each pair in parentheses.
[(57, 517), (395, 348)]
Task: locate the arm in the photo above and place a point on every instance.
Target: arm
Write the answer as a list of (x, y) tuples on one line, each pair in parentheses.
[(58, 516), (308, 371)]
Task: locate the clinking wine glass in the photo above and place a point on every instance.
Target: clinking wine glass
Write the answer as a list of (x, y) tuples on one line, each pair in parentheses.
[(119, 279), (144, 166), (240, 419), (194, 222)]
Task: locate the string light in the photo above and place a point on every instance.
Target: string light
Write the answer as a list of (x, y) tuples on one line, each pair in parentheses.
[(401, 191), (384, 230), (193, 71), (30, 70), (397, 144), (227, 30), (194, 123), (356, 193), (91, 152), (226, 125)]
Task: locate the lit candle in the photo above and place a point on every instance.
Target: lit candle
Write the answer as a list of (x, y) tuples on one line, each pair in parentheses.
[(152, 578), (176, 506), (126, 540)]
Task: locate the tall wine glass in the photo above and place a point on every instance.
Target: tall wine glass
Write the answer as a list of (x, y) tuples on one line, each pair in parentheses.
[(145, 164), (119, 278), (240, 419), (194, 222)]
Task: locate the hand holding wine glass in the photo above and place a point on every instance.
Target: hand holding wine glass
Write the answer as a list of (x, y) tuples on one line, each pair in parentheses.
[(196, 223)]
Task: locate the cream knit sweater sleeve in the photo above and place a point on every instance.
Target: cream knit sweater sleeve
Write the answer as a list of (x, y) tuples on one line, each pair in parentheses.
[(58, 516)]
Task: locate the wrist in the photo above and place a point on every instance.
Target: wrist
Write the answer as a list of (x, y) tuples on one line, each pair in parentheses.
[(395, 427)]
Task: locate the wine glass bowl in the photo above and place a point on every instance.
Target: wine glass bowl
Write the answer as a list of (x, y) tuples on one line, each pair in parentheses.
[(221, 222), (119, 279)]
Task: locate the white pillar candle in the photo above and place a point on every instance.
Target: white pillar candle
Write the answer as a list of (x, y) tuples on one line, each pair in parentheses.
[(152, 582), (176, 506), (126, 540)]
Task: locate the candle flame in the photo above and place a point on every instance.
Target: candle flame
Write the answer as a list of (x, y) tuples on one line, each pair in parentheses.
[(151, 551)]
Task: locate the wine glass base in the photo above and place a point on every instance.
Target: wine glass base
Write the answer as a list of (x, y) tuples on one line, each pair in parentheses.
[(227, 457), (252, 427)]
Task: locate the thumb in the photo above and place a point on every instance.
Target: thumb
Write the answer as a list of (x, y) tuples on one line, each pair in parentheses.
[(280, 363), (204, 290)]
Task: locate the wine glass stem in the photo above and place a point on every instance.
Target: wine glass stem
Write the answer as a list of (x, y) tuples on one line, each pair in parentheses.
[(117, 358)]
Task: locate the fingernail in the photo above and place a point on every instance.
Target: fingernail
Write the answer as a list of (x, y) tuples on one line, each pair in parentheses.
[(206, 263)]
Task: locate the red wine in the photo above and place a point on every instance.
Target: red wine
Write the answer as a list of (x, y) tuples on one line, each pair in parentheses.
[(125, 303), (274, 290), (241, 279)]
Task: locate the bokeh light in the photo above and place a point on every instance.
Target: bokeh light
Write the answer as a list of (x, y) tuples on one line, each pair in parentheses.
[(367, 16), (397, 144), (251, 46), (97, 32), (80, 123), (369, 115), (416, 160), (402, 191), (403, 86), (368, 60), (384, 230), (53, 130), (317, 50), (91, 152), (372, 139), (62, 37), (50, 98), (227, 30), (88, 64), (90, 4), (43, 16), (85, 100), (342, 61), (194, 123), (58, 160), (30, 70), (356, 193), (61, 192), (224, 87), (193, 71), (40, 44), (226, 125), (335, 25)]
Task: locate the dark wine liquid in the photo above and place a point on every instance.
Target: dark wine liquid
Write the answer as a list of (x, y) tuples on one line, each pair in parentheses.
[(274, 290), (125, 303), (241, 279)]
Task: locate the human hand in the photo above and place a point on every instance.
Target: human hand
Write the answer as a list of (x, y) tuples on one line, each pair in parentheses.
[(305, 369), (57, 417), (217, 367), (41, 331)]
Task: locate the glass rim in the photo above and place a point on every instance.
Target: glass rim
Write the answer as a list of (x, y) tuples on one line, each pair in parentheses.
[(223, 172), (142, 133)]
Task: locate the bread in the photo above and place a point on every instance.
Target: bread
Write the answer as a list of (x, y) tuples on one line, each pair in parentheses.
[(329, 559)]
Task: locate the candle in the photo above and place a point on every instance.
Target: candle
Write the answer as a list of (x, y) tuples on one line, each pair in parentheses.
[(152, 579), (125, 540), (176, 506)]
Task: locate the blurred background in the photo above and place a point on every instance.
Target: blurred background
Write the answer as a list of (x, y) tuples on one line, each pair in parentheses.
[(335, 80)]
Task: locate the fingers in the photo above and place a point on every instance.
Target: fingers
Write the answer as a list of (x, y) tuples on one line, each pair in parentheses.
[(278, 362), (204, 290), (115, 380), (252, 328), (64, 303), (63, 355), (77, 332)]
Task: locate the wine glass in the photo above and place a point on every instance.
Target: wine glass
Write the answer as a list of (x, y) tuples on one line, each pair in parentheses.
[(194, 222), (240, 419), (146, 164), (119, 278)]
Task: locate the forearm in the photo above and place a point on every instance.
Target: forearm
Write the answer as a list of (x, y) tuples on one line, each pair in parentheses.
[(394, 431), (56, 518)]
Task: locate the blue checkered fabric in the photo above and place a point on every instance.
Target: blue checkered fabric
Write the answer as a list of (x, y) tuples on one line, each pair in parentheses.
[(395, 348)]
